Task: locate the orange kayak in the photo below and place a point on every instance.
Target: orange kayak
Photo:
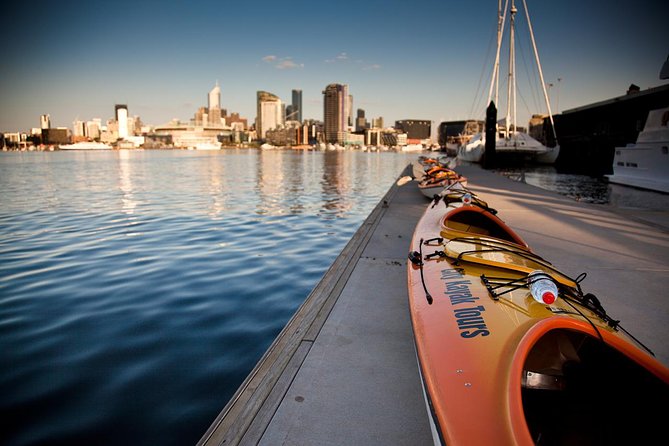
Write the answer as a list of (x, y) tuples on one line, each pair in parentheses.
[(501, 368)]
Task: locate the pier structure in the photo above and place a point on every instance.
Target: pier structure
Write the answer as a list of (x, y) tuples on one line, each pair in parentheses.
[(343, 370)]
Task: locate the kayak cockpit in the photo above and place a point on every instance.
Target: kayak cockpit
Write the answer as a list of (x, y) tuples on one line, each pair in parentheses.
[(577, 389), (477, 221)]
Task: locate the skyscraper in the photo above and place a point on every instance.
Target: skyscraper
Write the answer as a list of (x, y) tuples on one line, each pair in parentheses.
[(269, 113), (360, 121), (45, 122), (297, 105), (215, 97), (336, 103), (121, 114), (214, 110)]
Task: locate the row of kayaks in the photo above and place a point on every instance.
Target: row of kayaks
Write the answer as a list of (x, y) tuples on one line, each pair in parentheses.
[(433, 174), (500, 367)]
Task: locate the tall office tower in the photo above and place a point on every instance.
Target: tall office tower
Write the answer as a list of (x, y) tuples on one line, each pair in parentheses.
[(349, 111), (270, 113), (335, 112), (45, 122), (214, 111), (121, 113), (215, 97), (297, 105), (360, 121)]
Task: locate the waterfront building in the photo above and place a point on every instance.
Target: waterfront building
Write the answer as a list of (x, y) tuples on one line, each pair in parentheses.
[(189, 135), (201, 116), (336, 112), (236, 122), (270, 113), (452, 134), (296, 106), (121, 115), (59, 135), (415, 129)]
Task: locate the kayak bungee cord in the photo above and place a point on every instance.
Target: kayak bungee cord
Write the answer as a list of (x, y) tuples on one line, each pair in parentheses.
[(571, 296), (417, 259), (521, 253)]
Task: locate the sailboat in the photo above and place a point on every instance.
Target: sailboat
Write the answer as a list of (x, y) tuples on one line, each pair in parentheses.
[(509, 141)]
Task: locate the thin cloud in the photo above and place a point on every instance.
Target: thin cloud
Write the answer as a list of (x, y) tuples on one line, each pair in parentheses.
[(282, 63), (288, 64), (343, 58)]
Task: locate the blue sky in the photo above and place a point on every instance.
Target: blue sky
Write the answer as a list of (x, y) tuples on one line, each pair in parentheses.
[(424, 59)]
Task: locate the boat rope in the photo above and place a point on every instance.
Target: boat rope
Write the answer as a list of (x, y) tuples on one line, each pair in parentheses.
[(417, 259)]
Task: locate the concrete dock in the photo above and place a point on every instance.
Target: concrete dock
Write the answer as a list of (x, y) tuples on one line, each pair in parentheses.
[(343, 370)]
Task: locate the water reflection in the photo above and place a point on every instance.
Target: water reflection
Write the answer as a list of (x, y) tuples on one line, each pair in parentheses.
[(334, 184), (125, 182), (306, 182), (578, 187), (589, 189)]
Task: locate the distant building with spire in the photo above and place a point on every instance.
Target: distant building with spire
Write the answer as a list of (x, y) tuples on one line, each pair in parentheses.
[(214, 110)]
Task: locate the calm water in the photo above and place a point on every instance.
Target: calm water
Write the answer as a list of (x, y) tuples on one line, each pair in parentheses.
[(590, 189), (138, 289)]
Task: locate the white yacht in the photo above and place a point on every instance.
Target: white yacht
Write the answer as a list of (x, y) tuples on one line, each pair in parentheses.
[(208, 145), (645, 164), (85, 145), (518, 143)]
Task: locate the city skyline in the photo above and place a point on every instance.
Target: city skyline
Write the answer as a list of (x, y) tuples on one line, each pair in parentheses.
[(426, 60)]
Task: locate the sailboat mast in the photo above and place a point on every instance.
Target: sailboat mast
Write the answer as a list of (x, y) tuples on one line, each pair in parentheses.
[(541, 74), (511, 88), (494, 80)]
